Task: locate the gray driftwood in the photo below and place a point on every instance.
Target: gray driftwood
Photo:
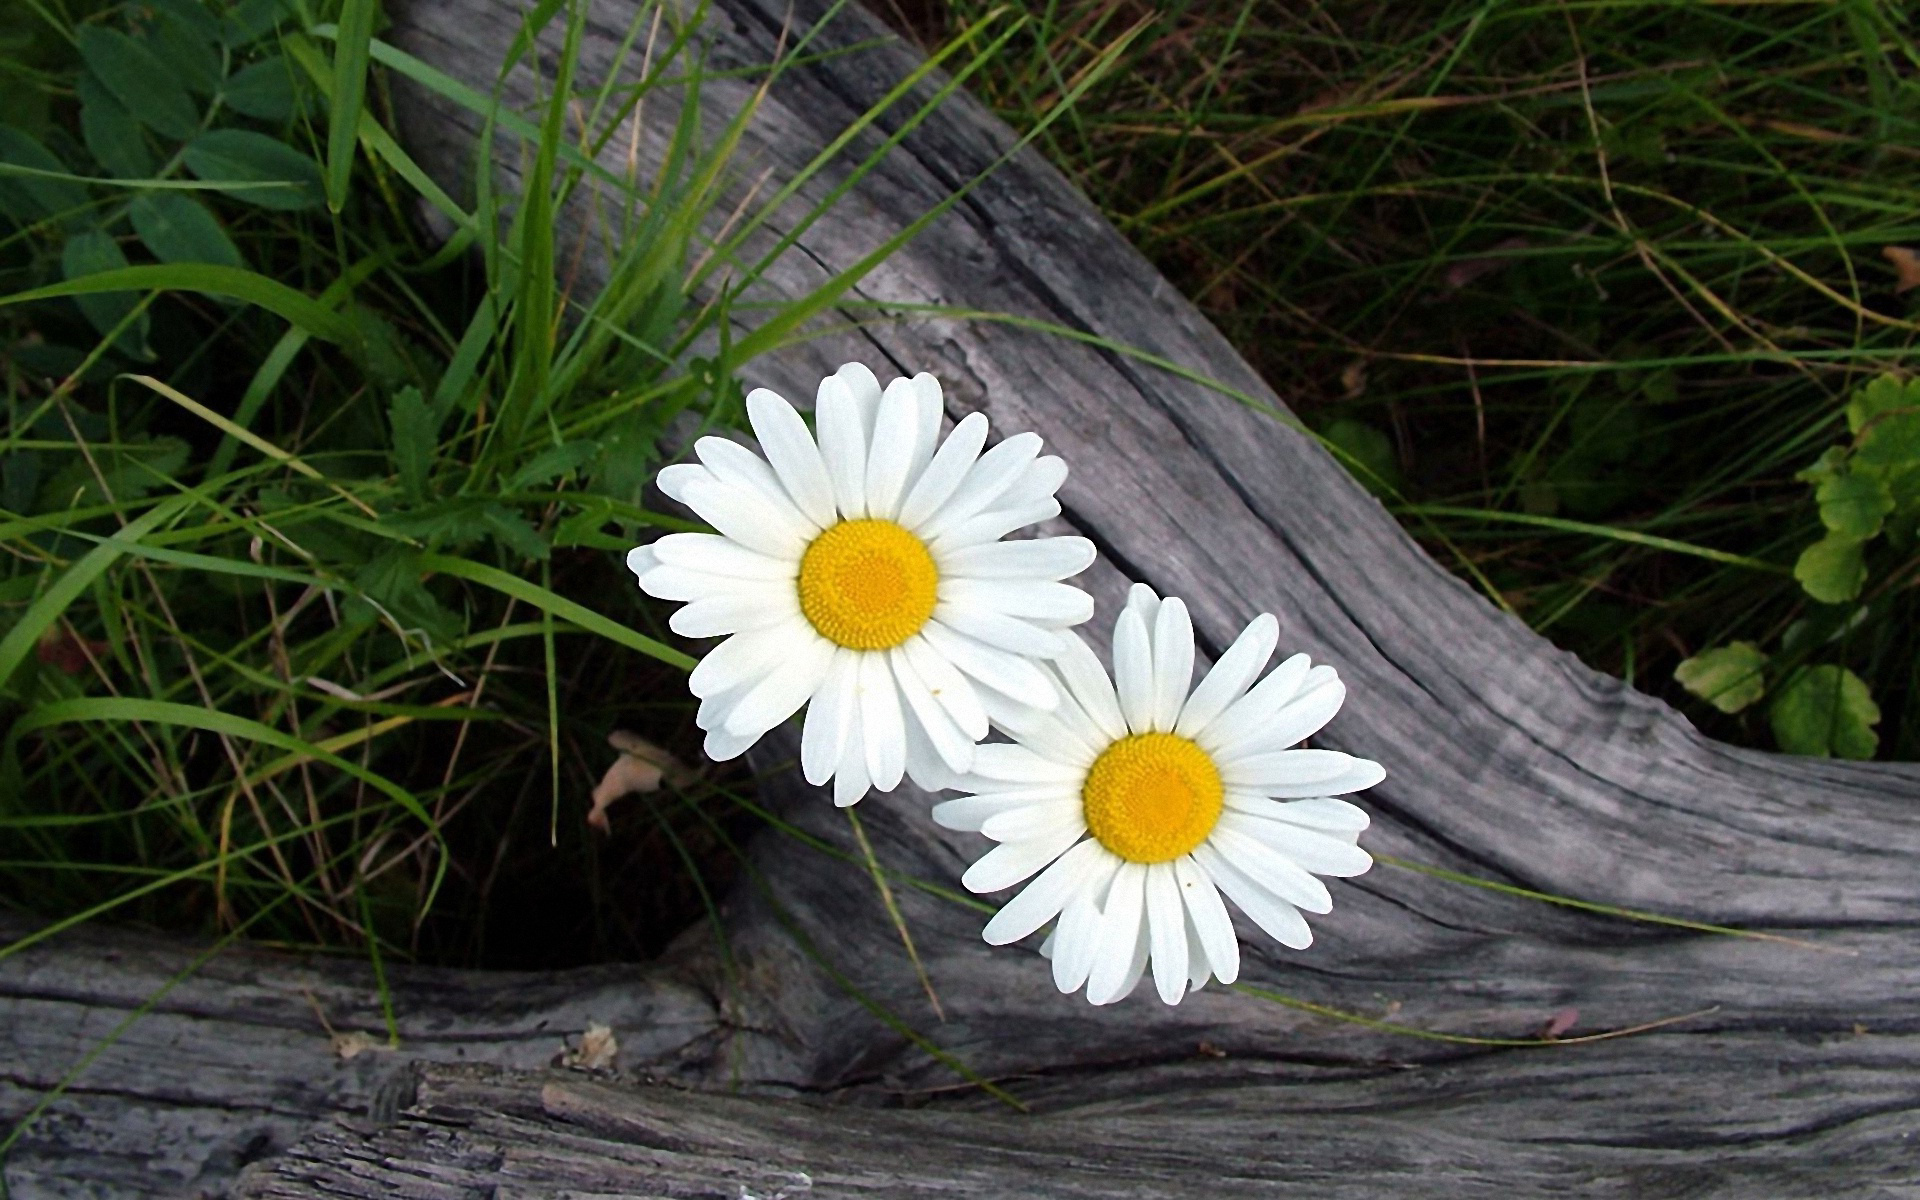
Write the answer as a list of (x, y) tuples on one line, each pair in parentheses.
[(1799, 1072)]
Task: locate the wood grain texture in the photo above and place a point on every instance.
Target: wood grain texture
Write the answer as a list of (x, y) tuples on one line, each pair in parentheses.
[(1506, 757)]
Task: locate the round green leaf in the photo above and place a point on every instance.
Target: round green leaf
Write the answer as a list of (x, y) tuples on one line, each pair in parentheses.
[(1368, 453), (1854, 504), (179, 228), (1727, 677), (1826, 711), (1831, 570), (113, 137), (263, 90), (28, 198), (148, 87), (242, 156), (90, 253)]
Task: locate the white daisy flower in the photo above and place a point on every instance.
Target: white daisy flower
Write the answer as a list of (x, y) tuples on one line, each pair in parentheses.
[(1185, 795), (864, 577)]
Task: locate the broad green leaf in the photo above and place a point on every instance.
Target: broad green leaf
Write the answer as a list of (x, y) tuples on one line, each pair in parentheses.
[(392, 583), (28, 198), (1885, 419), (1826, 711), (1832, 570), (552, 463), (1727, 677), (148, 87), (113, 137), (182, 35), (1366, 452), (414, 435), (1829, 464), (515, 532), (93, 253), (350, 49), (179, 228), (251, 20), (1854, 504), (242, 156), (263, 90)]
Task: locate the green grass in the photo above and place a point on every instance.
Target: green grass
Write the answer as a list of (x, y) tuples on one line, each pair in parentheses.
[(315, 619), (1585, 286)]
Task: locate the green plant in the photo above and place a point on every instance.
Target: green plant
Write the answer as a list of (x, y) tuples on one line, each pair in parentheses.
[(1578, 288)]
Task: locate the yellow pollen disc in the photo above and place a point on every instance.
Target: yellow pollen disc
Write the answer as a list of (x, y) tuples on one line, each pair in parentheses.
[(1152, 797), (867, 584)]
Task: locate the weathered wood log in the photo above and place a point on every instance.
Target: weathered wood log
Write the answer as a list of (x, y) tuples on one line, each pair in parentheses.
[(1507, 759)]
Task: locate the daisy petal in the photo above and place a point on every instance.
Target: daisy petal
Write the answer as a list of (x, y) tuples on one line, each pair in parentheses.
[(715, 555), (1042, 900), (745, 657), (1133, 670), (1038, 482), (850, 781), (1035, 600), (946, 739), (749, 518), (791, 452), (1199, 970), (722, 746), (838, 418), (1278, 919), (1090, 686), (1248, 715), (890, 457), (1270, 868), (1167, 926), (1034, 820), (944, 472), (1035, 558), (1231, 676), (1077, 935), (991, 526), (1284, 768), (673, 480), (1054, 738), (969, 813), (678, 583), (733, 613), (1006, 673), (829, 715), (1357, 775), (881, 724), (642, 559), (1210, 919), (993, 474), (1172, 662), (924, 767), (1136, 967), (1017, 764), (737, 466), (1145, 601), (1328, 814), (948, 686), (1010, 862), (1011, 634), (784, 690), (1301, 718), (929, 404), (1119, 934), (1309, 849)]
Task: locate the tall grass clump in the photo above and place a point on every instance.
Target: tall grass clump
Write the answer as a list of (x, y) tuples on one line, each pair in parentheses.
[(1599, 295), (315, 614)]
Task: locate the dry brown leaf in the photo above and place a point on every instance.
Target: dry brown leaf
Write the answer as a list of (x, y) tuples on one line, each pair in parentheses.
[(1353, 380), (1559, 1023), (641, 767), (352, 1045), (1906, 264), (596, 1051)]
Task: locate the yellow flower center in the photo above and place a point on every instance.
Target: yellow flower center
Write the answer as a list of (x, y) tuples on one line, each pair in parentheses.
[(868, 584), (1152, 797)]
